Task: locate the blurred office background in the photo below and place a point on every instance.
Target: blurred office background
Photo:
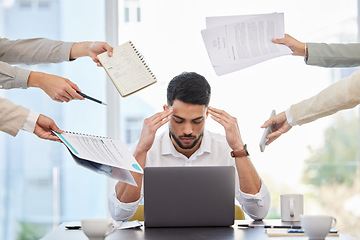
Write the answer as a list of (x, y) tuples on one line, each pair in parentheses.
[(40, 184)]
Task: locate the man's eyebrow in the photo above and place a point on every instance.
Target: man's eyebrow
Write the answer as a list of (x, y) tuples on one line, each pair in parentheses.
[(175, 116), (198, 118)]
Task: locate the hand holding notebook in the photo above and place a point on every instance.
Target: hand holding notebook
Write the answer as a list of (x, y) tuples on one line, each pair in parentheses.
[(127, 69)]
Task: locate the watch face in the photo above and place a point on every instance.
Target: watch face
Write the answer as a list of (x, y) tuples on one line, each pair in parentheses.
[(245, 148)]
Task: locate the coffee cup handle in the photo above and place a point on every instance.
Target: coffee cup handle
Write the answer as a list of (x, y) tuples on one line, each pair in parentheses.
[(292, 214), (334, 220), (114, 226)]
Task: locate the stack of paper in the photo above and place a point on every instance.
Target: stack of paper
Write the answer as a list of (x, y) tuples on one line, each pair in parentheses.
[(103, 155), (237, 42)]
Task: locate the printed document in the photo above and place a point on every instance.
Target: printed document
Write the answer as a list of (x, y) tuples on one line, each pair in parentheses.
[(237, 42), (103, 155)]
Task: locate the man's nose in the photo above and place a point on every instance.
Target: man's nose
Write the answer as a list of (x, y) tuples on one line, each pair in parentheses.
[(187, 129)]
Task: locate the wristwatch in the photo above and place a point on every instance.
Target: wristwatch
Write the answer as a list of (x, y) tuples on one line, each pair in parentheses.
[(242, 153)]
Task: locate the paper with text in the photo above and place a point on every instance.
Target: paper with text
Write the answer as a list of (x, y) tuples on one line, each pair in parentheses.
[(237, 42), (127, 69), (103, 155)]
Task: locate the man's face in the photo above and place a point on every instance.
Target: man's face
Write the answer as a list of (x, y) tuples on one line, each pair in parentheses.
[(187, 125)]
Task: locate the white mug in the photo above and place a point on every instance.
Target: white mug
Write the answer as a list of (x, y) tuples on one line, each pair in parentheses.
[(317, 226), (98, 228), (292, 206)]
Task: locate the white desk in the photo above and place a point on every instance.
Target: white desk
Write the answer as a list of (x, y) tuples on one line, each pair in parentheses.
[(196, 233)]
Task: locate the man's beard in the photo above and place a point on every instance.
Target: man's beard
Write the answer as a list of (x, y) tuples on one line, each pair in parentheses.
[(188, 136)]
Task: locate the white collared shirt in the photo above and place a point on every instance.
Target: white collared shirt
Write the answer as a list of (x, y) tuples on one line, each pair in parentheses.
[(213, 151)]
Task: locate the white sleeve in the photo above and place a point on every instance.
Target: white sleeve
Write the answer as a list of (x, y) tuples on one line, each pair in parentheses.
[(30, 122), (289, 117), (122, 211), (256, 206)]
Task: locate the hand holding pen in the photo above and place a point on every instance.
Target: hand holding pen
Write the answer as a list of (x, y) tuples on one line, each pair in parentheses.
[(90, 98)]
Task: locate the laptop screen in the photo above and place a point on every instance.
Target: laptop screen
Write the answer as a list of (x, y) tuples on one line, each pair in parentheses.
[(189, 196)]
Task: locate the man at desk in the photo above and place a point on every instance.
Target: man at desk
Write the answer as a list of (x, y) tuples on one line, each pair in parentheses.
[(187, 143)]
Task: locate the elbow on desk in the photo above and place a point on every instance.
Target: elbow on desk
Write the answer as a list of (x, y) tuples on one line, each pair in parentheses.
[(257, 209)]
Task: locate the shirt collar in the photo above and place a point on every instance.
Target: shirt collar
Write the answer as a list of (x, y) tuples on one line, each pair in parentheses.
[(167, 147)]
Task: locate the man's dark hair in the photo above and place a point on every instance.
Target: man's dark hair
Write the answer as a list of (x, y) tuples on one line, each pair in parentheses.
[(189, 87)]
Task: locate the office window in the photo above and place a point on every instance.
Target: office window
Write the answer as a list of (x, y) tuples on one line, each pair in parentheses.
[(44, 3), (132, 11), (138, 14), (40, 184), (133, 129), (25, 3), (35, 4), (126, 14)]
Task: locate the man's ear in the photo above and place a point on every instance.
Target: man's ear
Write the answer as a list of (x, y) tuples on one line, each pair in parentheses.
[(207, 112), (165, 107)]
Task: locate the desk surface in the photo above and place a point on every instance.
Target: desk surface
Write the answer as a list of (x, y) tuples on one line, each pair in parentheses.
[(208, 233)]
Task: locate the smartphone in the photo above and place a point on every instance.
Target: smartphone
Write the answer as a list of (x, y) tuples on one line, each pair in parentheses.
[(267, 131), (73, 225)]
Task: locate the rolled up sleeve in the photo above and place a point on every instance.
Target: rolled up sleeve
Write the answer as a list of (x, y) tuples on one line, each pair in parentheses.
[(121, 211), (256, 206)]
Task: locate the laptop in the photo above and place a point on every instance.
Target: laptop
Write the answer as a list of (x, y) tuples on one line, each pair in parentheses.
[(189, 196)]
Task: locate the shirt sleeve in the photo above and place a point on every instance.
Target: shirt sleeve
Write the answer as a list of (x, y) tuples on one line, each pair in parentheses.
[(289, 117), (34, 51), (30, 122), (122, 211), (13, 77), (333, 55), (28, 51), (341, 95), (256, 206)]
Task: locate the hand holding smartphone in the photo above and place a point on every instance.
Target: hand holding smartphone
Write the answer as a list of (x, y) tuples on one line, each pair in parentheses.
[(267, 131)]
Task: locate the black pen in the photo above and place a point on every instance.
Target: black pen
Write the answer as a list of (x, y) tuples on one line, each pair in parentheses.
[(245, 226), (283, 226), (90, 98)]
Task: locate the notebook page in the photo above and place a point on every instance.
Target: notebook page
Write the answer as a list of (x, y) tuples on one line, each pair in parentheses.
[(126, 69)]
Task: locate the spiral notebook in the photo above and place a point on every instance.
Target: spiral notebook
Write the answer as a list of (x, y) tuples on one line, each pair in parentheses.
[(103, 155), (127, 69)]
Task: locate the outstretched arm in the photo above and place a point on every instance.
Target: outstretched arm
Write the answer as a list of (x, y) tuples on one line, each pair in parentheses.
[(61, 89)]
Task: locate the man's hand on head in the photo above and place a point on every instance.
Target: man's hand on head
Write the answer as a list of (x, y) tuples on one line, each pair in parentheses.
[(231, 127), (150, 127)]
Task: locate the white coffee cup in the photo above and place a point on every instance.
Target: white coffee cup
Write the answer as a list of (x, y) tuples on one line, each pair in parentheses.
[(98, 228), (317, 227), (292, 206)]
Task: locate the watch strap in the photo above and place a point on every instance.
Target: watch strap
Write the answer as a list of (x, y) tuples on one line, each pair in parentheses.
[(241, 153)]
